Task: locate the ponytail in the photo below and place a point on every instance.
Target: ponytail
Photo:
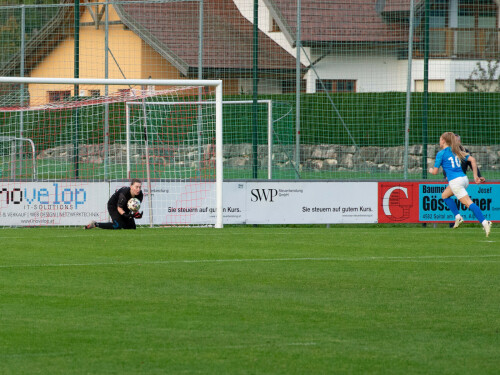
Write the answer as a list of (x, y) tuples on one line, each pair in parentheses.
[(455, 145)]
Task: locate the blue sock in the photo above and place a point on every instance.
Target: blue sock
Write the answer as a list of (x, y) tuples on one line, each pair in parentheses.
[(477, 212), (451, 205)]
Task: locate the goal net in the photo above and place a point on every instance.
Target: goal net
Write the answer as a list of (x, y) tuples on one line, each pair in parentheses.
[(62, 155), (236, 113)]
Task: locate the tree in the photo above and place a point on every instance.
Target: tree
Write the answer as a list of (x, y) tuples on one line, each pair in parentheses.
[(484, 79)]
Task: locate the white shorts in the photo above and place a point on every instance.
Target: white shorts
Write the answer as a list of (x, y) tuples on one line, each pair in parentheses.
[(458, 186)]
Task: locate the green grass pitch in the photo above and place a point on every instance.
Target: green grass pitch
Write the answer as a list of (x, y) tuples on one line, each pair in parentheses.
[(250, 300)]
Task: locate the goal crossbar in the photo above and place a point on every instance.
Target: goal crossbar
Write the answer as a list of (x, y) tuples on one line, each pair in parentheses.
[(114, 82)]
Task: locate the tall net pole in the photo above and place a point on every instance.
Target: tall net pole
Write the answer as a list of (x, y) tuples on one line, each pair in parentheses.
[(425, 106), (255, 89), (76, 87), (298, 80), (408, 89)]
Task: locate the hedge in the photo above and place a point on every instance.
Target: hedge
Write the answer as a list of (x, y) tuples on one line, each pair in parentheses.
[(364, 119)]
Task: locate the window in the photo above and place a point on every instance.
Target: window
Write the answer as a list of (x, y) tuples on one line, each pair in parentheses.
[(438, 15), (94, 93), (438, 21), (461, 28), (346, 86), (476, 85), (477, 14), (288, 86), (342, 85), (58, 96), (477, 23), (324, 86), (434, 85)]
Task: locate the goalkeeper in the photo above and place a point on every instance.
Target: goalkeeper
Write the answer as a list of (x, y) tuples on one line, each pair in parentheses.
[(121, 216)]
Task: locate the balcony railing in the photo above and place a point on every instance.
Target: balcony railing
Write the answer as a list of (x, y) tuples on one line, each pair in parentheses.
[(463, 43)]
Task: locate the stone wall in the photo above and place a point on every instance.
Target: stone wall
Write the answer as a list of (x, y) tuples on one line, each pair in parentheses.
[(323, 157), (328, 157)]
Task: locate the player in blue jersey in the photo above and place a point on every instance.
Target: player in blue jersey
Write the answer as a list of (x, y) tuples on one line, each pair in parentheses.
[(450, 158), (466, 164)]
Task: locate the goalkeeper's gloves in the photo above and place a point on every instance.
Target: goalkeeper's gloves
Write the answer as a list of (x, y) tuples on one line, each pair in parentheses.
[(138, 215), (128, 215)]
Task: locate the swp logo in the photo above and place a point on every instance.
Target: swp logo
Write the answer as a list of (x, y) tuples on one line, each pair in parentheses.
[(267, 195), (53, 194)]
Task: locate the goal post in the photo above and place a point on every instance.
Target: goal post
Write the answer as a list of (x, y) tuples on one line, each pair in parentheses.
[(13, 141), (62, 119)]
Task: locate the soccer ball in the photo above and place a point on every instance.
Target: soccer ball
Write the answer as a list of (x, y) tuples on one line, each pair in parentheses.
[(134, 204)]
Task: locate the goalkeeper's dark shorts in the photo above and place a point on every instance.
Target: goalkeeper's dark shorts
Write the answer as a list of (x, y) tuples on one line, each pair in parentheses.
[(120, 222)]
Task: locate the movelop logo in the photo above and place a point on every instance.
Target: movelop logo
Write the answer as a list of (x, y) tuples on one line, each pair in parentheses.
[(259, 195), (396, 201), (44, 196)]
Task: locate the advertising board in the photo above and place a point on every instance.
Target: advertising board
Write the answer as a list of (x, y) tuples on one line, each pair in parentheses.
[(420, 202), (52, 203)]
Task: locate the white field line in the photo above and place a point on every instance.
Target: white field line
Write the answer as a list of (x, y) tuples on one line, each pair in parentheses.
[(185, 232), (175, 349), (423, 258)]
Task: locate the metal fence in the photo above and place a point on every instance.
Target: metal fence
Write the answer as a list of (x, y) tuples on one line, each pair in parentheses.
[(360, 89)]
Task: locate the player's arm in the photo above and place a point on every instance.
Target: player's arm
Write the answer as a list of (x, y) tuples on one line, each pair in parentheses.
[(434, 170), (138, 215), (479, 173), (469, 165), (439, 160), (122, 202), (473, 163), (481, 178)]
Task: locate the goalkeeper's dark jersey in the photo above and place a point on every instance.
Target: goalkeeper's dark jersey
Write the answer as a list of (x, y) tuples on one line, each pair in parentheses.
[(120, 199)]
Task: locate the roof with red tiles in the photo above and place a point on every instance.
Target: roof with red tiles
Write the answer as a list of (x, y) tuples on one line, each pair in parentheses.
[(172, 30), (341, 20)]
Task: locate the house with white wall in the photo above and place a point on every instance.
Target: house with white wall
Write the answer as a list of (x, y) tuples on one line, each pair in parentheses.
[(362, 45)]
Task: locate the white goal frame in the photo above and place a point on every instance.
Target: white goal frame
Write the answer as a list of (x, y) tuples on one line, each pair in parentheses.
[(217, 84), (32, 145), (267, 102)]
